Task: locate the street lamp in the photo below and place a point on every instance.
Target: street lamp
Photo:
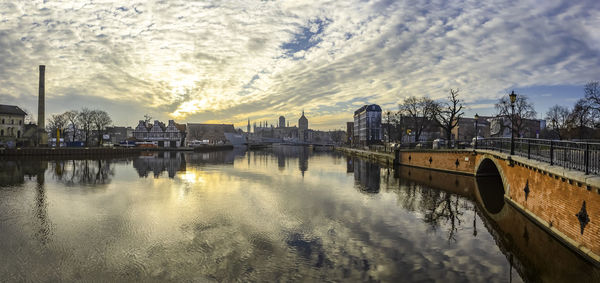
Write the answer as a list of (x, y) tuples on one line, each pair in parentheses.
[(513, 98), (388, 127), (476, 129)]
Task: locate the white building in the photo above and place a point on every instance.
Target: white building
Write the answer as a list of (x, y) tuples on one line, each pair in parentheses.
[(159, 134), (367, 125)]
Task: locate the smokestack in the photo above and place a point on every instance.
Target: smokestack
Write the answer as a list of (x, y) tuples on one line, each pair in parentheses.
[(43, 138), (42, 99)]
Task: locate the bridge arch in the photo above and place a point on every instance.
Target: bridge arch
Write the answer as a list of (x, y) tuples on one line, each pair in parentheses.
[(490, 184)]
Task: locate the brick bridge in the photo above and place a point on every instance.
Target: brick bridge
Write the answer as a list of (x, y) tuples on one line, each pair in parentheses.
[(564, 202)]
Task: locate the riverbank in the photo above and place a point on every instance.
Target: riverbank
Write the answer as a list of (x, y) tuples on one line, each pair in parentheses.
[(101, 151), (379, 157)]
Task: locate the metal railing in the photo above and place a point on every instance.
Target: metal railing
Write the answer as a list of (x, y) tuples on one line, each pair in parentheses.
[(581, 156)]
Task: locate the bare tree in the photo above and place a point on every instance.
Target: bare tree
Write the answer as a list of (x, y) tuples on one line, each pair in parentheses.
[(448, 114), (420, 111), (100, 119), (558, 116), (29, 118), (523, 110), (71, 117), (581, 118), (592, 94), (57, 122), (85, 122)]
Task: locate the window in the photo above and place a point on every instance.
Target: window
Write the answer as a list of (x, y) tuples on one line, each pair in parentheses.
[(12, 121), (20, 122)]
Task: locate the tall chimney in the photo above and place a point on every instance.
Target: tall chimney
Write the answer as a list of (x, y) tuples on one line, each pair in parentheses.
[(41, 129), (42, 99)]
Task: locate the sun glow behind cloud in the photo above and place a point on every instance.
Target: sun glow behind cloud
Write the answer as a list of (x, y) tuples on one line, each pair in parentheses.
[(232, 60)]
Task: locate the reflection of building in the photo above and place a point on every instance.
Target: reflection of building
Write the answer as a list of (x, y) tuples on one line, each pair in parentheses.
[(367, 125), (172, 162), (171, 135), (11, 122), (367, 175)]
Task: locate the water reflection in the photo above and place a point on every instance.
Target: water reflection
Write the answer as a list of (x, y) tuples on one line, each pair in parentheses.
[(367, 175), (263, 216)]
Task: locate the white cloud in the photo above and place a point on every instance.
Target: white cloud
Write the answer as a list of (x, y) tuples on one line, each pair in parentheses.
[(228, 61)]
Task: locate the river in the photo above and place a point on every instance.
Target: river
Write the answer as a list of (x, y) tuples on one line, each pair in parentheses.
[(280, 214)]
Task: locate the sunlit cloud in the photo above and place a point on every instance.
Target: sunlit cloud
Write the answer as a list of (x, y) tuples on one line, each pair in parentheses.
[(229, 61)]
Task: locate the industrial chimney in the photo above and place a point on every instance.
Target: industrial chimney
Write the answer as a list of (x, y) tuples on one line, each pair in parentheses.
[(42, 136)]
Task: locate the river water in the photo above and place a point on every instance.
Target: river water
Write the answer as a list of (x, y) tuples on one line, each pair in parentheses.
[(281, 214)]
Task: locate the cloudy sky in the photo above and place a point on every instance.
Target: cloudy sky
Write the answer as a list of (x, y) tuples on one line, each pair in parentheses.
[(227, 61)]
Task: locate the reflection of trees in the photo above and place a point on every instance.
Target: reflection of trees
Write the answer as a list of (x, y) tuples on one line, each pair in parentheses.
[(439, 205), (443, 207), (73, 172)]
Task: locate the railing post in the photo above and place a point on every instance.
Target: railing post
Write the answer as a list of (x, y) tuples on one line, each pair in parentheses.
[(587, 158), (551, 153), (528, 149)]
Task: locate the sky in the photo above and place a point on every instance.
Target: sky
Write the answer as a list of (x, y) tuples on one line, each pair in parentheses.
[(229, 61)]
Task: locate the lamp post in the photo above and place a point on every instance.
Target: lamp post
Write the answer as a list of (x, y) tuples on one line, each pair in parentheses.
[(555, 127), (476, 129), (513, 98), (388, 127)]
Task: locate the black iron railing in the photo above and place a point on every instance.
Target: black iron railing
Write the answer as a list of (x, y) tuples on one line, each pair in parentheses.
[(581, 156)]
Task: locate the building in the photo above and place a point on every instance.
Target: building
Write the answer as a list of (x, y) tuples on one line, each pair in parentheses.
[(367, 125), (303, 135), (12, 120), (465, 130), (282, 122), (349, 132), (159, 134), (531, 128), (209, 133), (118, 134)]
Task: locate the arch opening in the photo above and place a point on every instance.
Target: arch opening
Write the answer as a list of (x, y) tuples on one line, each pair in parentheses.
[(490, 186)]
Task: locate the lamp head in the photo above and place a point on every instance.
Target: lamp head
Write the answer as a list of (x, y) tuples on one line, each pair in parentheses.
[(476, 116), (513, 97)]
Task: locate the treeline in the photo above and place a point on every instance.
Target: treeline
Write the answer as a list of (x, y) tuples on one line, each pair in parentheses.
[(419, 114), (79, 125), (581, 121)]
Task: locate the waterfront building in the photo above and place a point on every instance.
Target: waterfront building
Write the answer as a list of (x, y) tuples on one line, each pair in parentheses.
[(281, 122), (171, 135), (303, 133), (349, 132), (12, 120), (118, 134), (209, 133), (367, 125)]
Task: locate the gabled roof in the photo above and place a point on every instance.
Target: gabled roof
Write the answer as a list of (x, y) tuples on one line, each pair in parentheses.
[(11, 109)]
